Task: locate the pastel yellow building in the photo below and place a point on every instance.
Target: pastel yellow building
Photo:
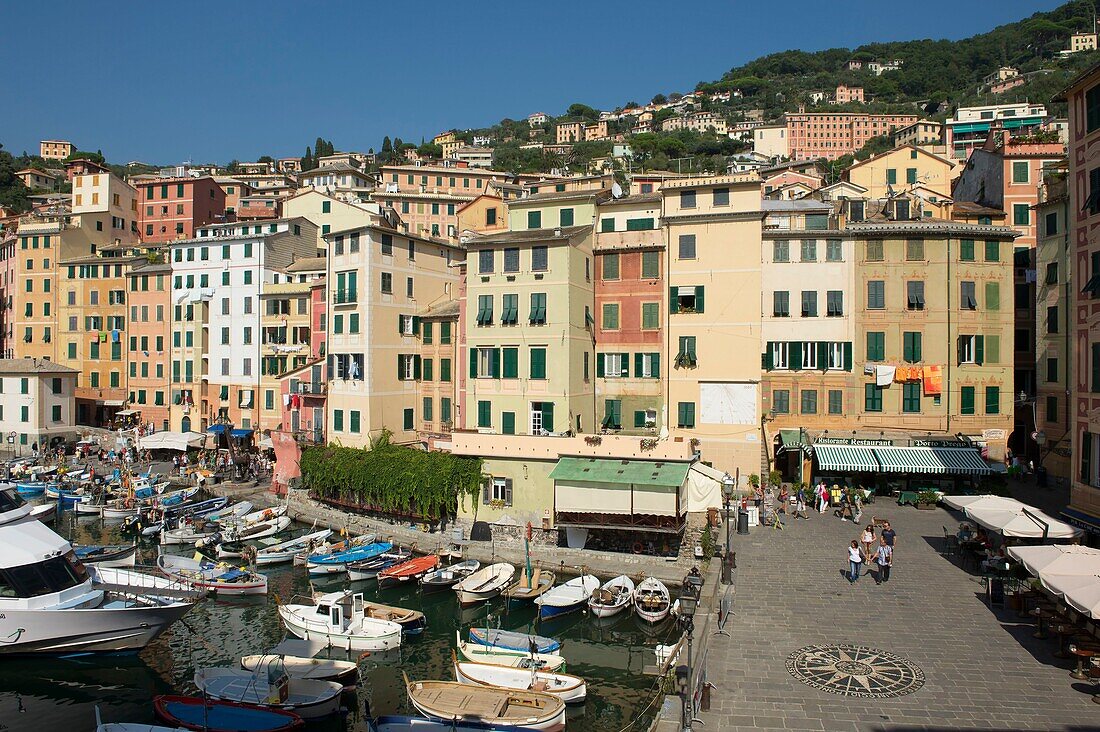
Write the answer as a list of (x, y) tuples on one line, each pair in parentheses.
[(902, 169)]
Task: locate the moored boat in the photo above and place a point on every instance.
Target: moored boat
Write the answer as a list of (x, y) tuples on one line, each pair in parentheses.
[(450, 700), (340, 620), (337, 561), (215, 715), (368, 569), (216, 577), (408, 571), (568, 597), (447, 577), (45, 513), (480, 653), (528, 588), (284, 551), (570, 689), (300, 662), (514, 640), (651, 600), (107, 555), (484, 584), (612, 598), (307, 698)]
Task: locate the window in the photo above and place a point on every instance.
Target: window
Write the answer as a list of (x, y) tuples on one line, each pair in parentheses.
[(611, 316), (834, 303), (910, 398), (485, 261), (387, 283), (781, 401), (806, 352), (781, 250), (484, 309), (809, 304), (538, 308), (686, 357), (992, 400), (891, 176), (966, 250), (872, 398), (1052, 409), (967, 299), (607, 225), (874, 252), (539, 258), (651, 265), (1021, 214), (484, 414), (876, 295), (910, 175), (687, 199), (781, 304), (610, 266), (1052, 369), (834, 252), (855, 211), (612, 365), (613, 414), (914, 250), (966, 400), (686, 299), (1052, 223), (778, 356), (687, 246), (1052, 273), (914, 294), (534, 219), (809, 401), (992, 251), (510, 363), (836, 401), (1020, 172), (876, 346), (651, 316), (992, 295), (809, 250), (538, 363), (490, 216), (409, 288), (685, 415), (721, 197), (971, 349), (1092, 109), (565, 217), (911, 346)]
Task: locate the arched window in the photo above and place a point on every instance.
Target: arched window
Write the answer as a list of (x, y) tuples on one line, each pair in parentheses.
[(185, 425)]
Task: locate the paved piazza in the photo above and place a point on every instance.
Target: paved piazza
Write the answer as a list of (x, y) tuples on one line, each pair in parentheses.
[(923, 651)]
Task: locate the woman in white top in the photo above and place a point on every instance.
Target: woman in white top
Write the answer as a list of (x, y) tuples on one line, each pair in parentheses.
[(868, 541), (855, 559)]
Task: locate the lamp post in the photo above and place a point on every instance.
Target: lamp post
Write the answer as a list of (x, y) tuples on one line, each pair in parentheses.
[(689, 602), (727, 495)]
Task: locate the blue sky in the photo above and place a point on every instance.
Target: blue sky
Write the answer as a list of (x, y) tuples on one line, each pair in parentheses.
[(165, 82)]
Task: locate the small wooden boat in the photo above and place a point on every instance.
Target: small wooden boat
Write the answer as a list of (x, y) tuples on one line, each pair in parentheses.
[(480, 653), (30, 489), (411, 621), (213, 715), (340, 619), (484, 584), (299, 661), (410, 571), (45, 513), (612, 598), (513, 640), (107, 555), (569, 597), (570, 689), (447, 577), (368, 569), (284, 551), (336, 562), (230, 512), (651, 600), (307, 698), (527, 589), (216, 577), (188, 533), (258, 530), (450, 700)]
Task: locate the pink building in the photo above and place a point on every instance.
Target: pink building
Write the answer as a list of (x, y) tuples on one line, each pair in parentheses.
[(830, 136), (845, 94), (173, 208)]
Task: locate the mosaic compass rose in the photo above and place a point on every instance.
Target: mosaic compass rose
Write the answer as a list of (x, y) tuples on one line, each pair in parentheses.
[(855, 671)]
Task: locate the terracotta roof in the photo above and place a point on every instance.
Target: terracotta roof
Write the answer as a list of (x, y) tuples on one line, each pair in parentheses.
[(529, 236), (308, 264), (601, 194), (447, 309)]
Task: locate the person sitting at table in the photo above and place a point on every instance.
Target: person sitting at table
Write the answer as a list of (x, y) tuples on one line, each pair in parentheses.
[(995, 562), (982, 538), (965, 532)]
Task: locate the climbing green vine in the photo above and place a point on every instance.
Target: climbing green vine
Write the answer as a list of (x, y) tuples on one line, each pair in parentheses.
[(391, 478)]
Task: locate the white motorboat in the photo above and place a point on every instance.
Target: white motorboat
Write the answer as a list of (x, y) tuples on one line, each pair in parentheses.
[(230, 513), (53, 604), (570, 689), (258, 530), (449, 701), (284, 551), (447, 577), (188, 533), (612, 598), (107, 555), (651, 600), (339, 619), (567, 597), (484, 584), (218, 577), (307, 698), (45, 513), (502, 656), (298, 658)]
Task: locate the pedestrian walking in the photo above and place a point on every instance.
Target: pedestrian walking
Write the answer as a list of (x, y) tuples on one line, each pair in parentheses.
[(891, 538), (868, 541), (822, 497), (855, 559), (884, 557), (800, 503)]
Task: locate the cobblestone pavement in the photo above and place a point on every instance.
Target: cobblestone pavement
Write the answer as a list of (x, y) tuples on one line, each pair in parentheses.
[(982, 668)]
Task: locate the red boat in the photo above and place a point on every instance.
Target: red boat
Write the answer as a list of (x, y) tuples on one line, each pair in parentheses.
[(215, 715), (409, 571)]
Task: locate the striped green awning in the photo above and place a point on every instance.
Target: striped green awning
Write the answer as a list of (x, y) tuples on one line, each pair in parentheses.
[(941, 460), (846, 458)]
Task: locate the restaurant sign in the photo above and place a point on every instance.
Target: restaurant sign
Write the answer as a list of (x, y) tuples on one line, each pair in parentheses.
[(853, 441), (940, 443)]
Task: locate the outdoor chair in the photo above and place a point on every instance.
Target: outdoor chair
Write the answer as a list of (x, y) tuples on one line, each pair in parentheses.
[(950, 543)]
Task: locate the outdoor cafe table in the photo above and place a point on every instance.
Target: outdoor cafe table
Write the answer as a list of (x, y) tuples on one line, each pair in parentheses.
[(1042, 614), (1083, 655), (1064, 631)]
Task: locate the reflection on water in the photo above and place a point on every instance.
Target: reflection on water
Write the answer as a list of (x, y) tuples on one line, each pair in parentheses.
[(61, 694)]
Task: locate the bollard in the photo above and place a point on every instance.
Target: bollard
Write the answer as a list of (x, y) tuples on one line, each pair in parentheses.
[(742, 522)]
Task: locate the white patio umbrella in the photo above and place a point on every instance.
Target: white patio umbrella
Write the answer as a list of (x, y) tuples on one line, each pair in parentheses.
[(1025, 522), (1057, 559), (1079, 591), (962, 503)]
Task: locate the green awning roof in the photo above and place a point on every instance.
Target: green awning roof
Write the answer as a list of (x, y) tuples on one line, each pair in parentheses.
[(790, 438), (633, 472), (846, 458), (942, 460)]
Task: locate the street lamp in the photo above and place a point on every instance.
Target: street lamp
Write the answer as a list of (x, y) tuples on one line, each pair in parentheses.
[(689, 603), (727, 496)]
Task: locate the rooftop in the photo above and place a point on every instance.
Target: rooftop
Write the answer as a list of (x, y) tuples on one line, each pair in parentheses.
[(445, 309), (308, 264), (601, 194), (33, 366), (530, 236)]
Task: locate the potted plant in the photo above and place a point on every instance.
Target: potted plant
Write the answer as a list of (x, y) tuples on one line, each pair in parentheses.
[(927, 499)]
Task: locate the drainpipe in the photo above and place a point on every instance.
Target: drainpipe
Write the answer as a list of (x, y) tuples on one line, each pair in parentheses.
[(951, 357)]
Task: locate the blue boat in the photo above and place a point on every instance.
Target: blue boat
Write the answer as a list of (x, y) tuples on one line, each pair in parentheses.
[(513, 641), (568, 597), (31, 488), (223, 716), (336, 562)]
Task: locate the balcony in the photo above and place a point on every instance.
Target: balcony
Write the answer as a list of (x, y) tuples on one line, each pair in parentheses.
[(344, 297), (620, 240), (305, 387)]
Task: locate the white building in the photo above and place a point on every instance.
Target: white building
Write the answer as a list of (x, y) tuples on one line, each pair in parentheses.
[(340, 177), (475, 157), (538, 119), (771, 140), (36, 403)]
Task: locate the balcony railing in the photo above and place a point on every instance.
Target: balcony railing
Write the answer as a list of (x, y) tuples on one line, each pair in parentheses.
[(342, 297)]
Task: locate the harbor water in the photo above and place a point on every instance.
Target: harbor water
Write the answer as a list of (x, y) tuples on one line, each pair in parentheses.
[(63, 693)]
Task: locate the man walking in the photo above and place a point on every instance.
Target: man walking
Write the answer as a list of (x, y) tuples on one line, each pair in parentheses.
[(884, 557), (890, 537)]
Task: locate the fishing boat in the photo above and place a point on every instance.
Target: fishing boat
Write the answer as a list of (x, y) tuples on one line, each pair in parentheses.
[(258, 530), (408, 571), (218, 577), (45, 513), (480, 653), (340, 619), (368, 569), (568, 597), (529, 587), (188, 533), (213, 715), (450, 700), (228, 513), (412, 622), (612, 598), (92, 507), (651, 600), (31, 488), (101, 726), (570, 689), (284, 551), (107, 555), (484, 584), (337, 561), (299, 660), (447, 577), (307, 698), (513, 640)]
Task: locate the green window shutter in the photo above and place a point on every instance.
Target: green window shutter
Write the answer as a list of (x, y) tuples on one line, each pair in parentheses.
[(624, 365), (673, 302), (993, 349), (473, 363), (639, 418), (495, 362), (651, 265), (566, 217), (651, 317), (847, 356), (891, 176), (511, 363), (979, 350), (427, 369), (822, 356), (993, 295), (698, 298), (794, 358), (992, 251), (538, 363), (416, 325), (607, 225), (484, 414), (992, 400), (967, 400), (599, 365), (444, 369), (767, 360), (638, 364), (548, 416), (400, 367), (416, 367), (690, 414), (338, 420), (655, 365), (966, 250), (427, 331), (681, 414), (508, 423)]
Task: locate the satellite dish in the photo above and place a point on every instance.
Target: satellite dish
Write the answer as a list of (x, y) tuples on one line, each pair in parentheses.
[(616, 190)]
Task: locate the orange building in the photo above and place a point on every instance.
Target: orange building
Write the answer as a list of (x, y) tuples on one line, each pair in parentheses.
[(150, 289)]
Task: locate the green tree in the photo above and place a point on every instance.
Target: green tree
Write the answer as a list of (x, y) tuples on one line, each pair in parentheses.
[(307, 162), (583, 111), (13, 194), (660, 99), (95, 157), (265, 159)]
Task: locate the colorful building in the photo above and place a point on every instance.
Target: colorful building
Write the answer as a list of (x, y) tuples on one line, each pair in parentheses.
[(149, 335), (901, 169), (833, 135), (175, 208)]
